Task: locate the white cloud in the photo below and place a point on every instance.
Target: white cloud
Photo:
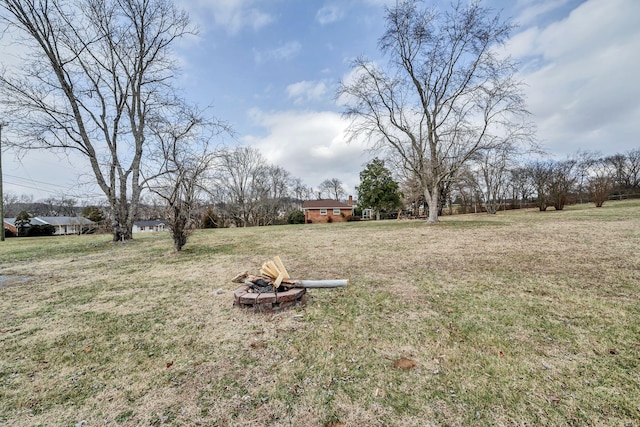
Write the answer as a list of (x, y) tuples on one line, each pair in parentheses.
[(581, 73), (329, 14), (286, 51), (233, 15), (389, 3), (306, 91), (311, 145), (535, 9)]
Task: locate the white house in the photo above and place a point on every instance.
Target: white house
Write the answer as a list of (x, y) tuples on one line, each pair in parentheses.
[(149, 226), (62, 224), (66, 224)]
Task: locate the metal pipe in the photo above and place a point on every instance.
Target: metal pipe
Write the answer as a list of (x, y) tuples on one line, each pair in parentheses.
[(323, 283)]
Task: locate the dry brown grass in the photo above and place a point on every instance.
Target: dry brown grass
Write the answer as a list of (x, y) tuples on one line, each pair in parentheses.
[(520, 318)]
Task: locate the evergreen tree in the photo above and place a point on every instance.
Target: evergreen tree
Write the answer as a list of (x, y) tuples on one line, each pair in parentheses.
[(378, 190), (22, 223)]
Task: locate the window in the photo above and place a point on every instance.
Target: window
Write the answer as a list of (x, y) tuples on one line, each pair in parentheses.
[(323, 211), (336, 211)]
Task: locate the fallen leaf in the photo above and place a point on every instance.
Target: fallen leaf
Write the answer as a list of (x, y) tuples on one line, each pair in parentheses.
[(169, 364), (613, 351), (87, 349), (404, 363), (554, 399), (259, 344)]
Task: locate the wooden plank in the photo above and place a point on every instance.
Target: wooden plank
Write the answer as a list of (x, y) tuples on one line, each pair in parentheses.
[(278, 280), (264, 273), (273, 269), (269, 270), (281, 267)]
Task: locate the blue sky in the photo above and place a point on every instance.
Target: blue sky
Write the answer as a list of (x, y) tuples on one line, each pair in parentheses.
[(271, 69)]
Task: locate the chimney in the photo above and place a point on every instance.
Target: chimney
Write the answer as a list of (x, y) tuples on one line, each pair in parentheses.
[(350, 200)]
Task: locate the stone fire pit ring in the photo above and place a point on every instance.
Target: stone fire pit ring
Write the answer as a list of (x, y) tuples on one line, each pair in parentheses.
[(268, 301)]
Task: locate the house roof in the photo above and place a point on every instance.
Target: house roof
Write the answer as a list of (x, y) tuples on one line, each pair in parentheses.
[(152, 223), (62, 220), (325, 204), (54, 220)]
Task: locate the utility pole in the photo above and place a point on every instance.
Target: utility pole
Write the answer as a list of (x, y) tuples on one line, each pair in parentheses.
[(1, 193)]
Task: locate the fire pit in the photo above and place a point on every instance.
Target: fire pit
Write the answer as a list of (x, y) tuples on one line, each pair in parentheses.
[(274, 290), (247, 298)]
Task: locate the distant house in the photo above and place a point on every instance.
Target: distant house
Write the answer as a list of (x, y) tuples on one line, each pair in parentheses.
[(62, 224), (9, 224), (66, 224), (149, 226), (327, 210)]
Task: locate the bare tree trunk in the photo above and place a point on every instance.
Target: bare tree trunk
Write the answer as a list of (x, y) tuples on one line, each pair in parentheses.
[(445, 96), (433, 202), (107, 69)]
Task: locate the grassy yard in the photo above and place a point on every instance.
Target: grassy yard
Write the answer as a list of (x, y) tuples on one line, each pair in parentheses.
[(521, 318)]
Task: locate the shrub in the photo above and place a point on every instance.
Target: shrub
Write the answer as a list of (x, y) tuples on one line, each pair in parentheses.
[(41, 230), (210, 219), (93, 213), (329, 219), (295, 217), (352, 218)]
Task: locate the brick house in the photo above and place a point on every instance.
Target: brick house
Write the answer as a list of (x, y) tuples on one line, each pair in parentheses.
[(10, 226), (327, 210)]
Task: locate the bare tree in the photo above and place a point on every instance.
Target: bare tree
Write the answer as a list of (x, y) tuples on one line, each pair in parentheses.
[(413, 196), (562, 182), (468, 191), (97, 69), (599, 175), (185, 155), (494, 166), (446, 95), (600, 186), (332, 189), (11, 204), (240, 178), (300, 191), (520, 185), (274, 200), (627, 171), (539, 173), (58, 206), (553, 181)]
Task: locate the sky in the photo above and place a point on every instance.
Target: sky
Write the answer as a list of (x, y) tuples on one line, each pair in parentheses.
[(271, 69)]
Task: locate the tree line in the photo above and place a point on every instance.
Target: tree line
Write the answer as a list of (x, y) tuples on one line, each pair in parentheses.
[(222, 187), (447, 112), (482, 186)]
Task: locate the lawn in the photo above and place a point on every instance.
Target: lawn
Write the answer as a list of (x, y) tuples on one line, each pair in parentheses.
[(519, 318)]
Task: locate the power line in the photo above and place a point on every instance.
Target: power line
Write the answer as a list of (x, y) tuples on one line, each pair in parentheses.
[(31, 180), (61, 192)]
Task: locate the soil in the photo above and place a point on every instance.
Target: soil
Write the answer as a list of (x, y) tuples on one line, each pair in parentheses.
[(12, 280)]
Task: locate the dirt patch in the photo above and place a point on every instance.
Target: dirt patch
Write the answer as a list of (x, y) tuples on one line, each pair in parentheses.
[(12, 280)]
